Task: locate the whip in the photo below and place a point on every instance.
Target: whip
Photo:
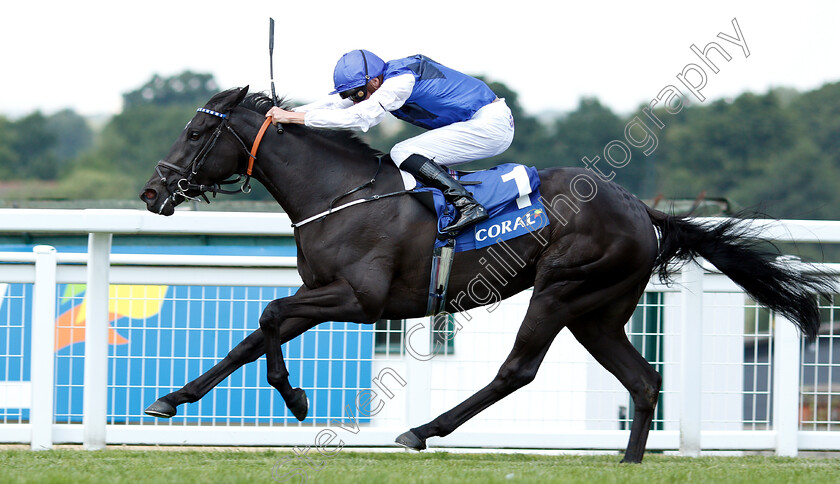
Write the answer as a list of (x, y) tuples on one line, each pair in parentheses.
[(271, 67)]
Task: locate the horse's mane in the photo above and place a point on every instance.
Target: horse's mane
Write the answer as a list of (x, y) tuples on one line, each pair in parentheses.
[(261, 103)]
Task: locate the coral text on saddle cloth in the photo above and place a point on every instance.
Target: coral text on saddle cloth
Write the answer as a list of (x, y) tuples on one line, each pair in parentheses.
[(510, 193)]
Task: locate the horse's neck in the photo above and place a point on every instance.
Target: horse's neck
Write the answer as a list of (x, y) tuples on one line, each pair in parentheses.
[(305, 173)]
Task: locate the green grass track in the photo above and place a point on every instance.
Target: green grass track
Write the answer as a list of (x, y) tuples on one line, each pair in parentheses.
[(232, 466)]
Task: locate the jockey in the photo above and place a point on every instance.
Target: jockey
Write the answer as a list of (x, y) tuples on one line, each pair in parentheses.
[(465, 119)]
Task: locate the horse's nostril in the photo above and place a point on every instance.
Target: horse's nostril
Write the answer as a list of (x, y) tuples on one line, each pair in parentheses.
[(149, 195)]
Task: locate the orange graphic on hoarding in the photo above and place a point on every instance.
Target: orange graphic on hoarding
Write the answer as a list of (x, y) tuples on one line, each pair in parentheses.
[(131, 301)]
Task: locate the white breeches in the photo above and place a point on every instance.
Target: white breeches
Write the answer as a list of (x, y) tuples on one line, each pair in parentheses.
[(488, 133)]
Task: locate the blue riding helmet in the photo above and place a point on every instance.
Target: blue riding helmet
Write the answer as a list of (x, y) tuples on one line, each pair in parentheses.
[(355, 69)]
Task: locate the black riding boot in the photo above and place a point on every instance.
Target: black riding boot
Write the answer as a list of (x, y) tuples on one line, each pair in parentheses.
[(431, 174)]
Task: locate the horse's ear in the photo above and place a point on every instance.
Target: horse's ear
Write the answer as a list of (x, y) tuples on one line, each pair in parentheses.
[(242, 93), (237, 99), (227, 100)]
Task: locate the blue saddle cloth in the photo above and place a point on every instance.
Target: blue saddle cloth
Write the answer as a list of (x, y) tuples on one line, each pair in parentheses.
[(509, 192)]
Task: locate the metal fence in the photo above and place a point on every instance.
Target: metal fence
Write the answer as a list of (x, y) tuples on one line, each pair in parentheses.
[(87, 340)]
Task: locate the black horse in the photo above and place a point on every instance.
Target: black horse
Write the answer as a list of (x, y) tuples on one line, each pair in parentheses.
[(588, 267)]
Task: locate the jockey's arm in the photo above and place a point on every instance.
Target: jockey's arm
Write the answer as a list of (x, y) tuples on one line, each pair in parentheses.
[(339, 114)]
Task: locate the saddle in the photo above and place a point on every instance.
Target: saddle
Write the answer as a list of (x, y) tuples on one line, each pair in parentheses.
[(509, 192)]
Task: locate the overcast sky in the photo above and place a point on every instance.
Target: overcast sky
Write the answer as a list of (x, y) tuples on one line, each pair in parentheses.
[(85, 54)]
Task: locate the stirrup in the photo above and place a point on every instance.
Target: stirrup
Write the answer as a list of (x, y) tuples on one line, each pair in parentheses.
[(466, 221)]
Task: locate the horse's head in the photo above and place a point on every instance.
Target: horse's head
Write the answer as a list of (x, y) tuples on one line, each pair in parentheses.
[(207, 153)]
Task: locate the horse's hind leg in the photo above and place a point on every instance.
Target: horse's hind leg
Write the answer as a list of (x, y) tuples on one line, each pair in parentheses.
[(604, 337), (534, 338)]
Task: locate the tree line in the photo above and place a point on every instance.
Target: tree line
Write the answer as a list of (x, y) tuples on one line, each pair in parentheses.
[(777, 152)]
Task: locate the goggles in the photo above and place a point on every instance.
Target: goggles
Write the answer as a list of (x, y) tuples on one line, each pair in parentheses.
[(357, 94)]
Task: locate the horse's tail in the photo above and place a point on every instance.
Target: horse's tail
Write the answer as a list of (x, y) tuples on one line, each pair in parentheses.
[(735, 250)]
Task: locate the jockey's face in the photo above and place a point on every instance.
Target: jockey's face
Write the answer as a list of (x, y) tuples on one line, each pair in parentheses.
[(371, 88)]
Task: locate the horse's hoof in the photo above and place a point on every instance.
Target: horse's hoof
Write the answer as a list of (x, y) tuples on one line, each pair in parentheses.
[(410, 441), (161, 409), (300, 404)]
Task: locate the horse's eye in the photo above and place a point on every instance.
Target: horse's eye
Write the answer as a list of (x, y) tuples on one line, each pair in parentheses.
[(194, 135)]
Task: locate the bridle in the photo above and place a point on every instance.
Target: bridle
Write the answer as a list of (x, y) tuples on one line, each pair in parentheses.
[(186, 182)]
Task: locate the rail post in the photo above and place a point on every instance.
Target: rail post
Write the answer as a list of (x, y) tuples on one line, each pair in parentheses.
[(95, 406), (42, 373), (786, 364), (691, 337)]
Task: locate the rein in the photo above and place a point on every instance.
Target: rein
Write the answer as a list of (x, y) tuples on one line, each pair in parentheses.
[(371, 198), (186, 182)]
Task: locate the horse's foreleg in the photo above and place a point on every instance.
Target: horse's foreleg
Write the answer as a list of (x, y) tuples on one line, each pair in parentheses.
[(286, 318), (248, 350), (520, 368), (278, 374)]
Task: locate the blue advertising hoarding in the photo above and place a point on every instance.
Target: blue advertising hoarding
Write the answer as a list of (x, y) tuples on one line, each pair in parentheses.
[(161, 337)]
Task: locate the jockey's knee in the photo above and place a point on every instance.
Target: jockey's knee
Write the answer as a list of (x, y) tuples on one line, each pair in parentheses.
[(400, 153)]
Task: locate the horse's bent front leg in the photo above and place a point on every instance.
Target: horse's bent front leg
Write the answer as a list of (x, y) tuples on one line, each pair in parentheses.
[(248, 350), (286, 318)]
